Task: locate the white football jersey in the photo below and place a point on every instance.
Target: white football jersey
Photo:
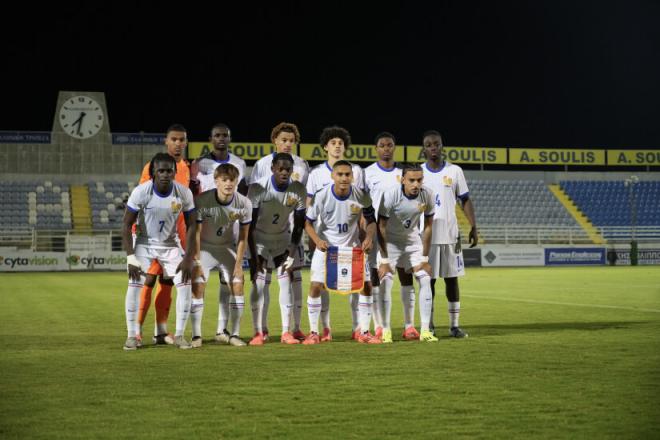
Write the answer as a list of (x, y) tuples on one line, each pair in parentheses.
[(158, 213), (275, 205), (337, 219), (378, 179), (404, 213), (217, 219), (321, 176), (263, 165), (448, 184), (202, 169)]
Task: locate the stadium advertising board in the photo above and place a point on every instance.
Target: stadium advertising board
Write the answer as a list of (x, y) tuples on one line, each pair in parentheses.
[(354, 153), (97, 261), (512, 256), (244, 150), (485, 155), (29, 261), (574, 256), (472, 257), (645, 257), (633, 157), (138, 138), (555, 156), (24, 137)]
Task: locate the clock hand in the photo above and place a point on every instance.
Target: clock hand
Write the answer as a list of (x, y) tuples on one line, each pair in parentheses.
[(78, 122)]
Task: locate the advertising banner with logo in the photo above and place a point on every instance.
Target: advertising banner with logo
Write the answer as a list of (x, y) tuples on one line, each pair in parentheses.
[(645, 257), (354, 153), (512, 256), (555, 156), (28, 261), (485, 155), (244, 150), (97, 261), (472, 257), (633, 157), (574, 256)]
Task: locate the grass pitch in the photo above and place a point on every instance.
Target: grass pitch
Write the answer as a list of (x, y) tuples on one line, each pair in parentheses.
[(552, 353)]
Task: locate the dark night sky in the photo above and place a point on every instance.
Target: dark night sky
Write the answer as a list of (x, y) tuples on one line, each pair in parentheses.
[(552, 73)]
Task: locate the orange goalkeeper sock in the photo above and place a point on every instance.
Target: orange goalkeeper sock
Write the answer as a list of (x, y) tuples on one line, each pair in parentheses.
[(145, 302), (163, 301)]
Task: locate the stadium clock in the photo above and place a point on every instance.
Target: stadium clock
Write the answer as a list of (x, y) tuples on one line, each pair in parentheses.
[(81, 117)]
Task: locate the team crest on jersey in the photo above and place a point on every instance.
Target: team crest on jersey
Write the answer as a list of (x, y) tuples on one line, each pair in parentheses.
[(290, 201), (295, 176), (355, 209), (447, 180), (233, 216), (398, 179), (421, 207), (176, 207)]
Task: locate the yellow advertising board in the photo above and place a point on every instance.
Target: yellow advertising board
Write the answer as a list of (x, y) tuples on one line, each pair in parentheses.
[(354, 153), (244, 150), (486, 155), (555, 156), (633, 157)]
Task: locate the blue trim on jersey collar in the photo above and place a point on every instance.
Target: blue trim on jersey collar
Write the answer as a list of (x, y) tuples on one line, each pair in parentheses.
[(163, 195), (328, 166), (388, 170), (272, 180), (222, 161), (223, 204), (341, 199), (407, 196), (444, 163)]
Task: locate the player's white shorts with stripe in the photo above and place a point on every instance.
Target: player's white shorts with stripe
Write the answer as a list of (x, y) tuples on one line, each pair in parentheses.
[(406, 256), (445, 263), (169, 258), (222, 258), (268, 249), (317, 271)]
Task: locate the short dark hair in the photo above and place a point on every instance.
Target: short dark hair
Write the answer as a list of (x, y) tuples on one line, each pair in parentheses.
[(226, 169), (384, 134), (340, 163), (335, 132), (431, 133), (160, 157), (287, 127), (175, 127), (409, 166), (283, 156), (221, 125)]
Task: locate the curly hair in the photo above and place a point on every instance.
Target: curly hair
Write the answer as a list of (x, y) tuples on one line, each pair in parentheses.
[(335, 132), (286, 127)]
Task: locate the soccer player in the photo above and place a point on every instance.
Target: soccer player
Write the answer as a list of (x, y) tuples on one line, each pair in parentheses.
[(336, 211), (378, 177), (203, 179), (448, 183), (156, 206), (202, 168), (334, 140), (285, 136), (176, 141), (217, 210), (401, 246), (273, 200)]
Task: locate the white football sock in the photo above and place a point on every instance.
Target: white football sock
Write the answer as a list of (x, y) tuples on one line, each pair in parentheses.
[(183, 299), (131, 306), (325, 309), (425, 299), (284, 282), (364, 312), (266, 300), (196, 313), (386, 300), (408, 301), (313, 312), (376, 307), (223, 308), (256, 301), (236, 305), (296, 290), (354, 303), (454, 309)]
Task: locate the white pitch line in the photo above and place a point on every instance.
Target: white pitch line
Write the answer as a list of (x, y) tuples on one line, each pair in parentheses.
[(557, 303)]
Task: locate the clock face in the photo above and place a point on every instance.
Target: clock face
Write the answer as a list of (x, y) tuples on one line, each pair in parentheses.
[(81, 117)]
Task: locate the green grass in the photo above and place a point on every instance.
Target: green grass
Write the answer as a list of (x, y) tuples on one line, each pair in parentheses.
[(552, 353)]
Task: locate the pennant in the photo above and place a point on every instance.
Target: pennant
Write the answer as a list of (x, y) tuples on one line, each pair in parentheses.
[(344, 270)]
